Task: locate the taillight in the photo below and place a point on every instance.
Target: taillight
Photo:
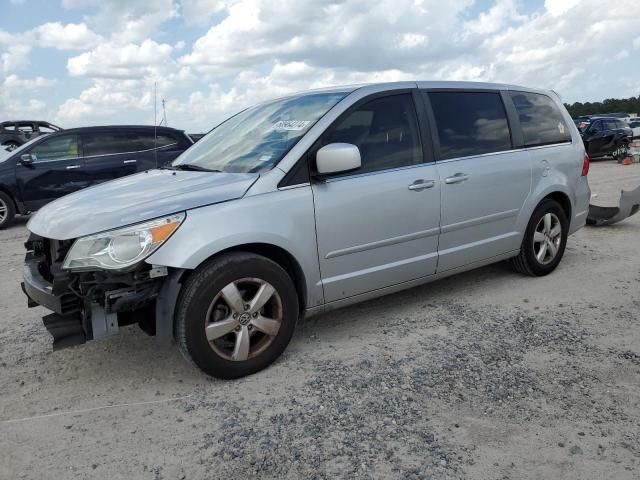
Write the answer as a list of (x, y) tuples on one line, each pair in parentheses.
[(585, 165)]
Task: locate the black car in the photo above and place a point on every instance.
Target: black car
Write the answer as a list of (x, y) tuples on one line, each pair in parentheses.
[(606, 136), (16, 133), (51, 166)]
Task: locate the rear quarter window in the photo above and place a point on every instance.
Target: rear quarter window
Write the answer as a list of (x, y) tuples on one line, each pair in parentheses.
[(540, 119), (470, 123)]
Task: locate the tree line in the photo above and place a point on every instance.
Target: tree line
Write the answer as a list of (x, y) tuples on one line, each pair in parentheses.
[(610, 105)]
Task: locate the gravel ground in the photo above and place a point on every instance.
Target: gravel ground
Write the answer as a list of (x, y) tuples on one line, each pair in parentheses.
[(485, 375)]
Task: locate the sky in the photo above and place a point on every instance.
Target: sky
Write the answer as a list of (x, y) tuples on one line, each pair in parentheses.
[(96, 62)]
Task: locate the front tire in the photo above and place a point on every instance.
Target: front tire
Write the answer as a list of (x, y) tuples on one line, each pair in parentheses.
[(544, 240), (236, 314), (7, 210)]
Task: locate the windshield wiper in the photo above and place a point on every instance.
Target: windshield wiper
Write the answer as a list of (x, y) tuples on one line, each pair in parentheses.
[(191, 168)]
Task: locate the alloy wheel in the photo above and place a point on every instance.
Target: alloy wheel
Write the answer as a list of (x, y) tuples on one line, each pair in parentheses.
[(3, 210), (546, 238), (243, 319)]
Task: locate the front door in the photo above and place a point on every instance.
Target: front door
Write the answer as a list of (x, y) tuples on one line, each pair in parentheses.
[(378, 226), (56, 170), (484, 182)]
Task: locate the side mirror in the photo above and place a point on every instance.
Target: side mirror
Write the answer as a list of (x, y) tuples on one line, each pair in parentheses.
[(26, 159), (337, 158)]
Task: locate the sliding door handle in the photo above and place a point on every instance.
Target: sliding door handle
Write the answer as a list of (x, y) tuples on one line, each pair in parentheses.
[(457, 178), (126, 162), (72, 167), (420, 185)]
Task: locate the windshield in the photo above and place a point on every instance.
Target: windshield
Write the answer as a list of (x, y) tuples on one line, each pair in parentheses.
[(256, 139), (4, 154)]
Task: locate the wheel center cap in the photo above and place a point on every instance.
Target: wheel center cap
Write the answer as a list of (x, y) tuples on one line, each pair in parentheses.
[(244, 319)]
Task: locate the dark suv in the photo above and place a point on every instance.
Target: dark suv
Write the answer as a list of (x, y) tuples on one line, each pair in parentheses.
[(14, 134), (51, 166), (606, 136)]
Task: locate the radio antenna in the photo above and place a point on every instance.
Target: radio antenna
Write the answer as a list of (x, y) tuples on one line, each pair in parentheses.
[(155, 122)]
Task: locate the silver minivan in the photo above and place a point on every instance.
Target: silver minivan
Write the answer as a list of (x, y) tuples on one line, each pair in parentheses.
[(307, 203)]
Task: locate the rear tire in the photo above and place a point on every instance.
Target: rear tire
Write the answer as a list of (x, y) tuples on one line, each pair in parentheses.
[(544, 240), (7, 210), (236, 315)]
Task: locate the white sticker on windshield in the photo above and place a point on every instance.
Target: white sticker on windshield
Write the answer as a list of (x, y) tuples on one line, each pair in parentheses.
[(561, 127), (291, 125)]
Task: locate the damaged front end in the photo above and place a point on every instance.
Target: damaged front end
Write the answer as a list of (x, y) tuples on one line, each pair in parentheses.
[(88, 305)]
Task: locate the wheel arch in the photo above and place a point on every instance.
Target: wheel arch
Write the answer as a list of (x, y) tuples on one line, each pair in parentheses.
[(564, 201), (274, 253)]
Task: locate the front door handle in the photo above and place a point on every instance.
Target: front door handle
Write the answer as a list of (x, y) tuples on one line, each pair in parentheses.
[(72, 167), (457, 178), (420, 185), (126, 162)]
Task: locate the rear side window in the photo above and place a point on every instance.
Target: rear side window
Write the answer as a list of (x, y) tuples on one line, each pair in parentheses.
[(470, 123), (540, 119), (161, 140), (111, 143), (56, 148), (386, 132)]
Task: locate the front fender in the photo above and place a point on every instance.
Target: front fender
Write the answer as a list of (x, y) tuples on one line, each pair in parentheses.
[(283, 218)]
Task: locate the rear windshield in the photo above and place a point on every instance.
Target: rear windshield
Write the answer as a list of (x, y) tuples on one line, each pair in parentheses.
[(256, 139)]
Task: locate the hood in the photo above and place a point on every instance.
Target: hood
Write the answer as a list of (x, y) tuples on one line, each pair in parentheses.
[(134, 199)]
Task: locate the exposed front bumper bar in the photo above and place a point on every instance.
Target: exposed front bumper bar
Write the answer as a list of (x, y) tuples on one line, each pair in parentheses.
[(66, 324), (92, 305), (38, 290)]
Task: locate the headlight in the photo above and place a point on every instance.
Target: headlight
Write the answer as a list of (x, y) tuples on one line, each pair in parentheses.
[(122, 248)]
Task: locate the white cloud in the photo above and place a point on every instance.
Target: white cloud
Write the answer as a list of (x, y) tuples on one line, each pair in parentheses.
[(16, 83), (15, 57), (200, 11), (359, 34), (413, 40), (127, 21), (104, 98), (494, 19), (125, 61), (11, 108), (559, 7), (71, 36), (259, 49)]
